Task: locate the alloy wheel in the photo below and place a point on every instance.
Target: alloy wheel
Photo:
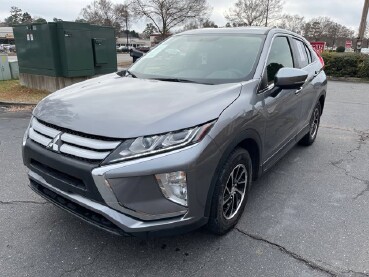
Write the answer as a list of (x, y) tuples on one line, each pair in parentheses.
[(314, 123), (234, 191)]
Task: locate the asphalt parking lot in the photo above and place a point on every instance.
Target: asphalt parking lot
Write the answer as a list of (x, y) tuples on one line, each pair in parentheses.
[(307, 217)]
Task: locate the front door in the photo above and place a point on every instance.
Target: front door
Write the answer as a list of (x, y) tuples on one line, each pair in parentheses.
[(282, 107)]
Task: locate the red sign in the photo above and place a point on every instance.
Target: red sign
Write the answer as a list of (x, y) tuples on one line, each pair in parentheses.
[(348, 44), (318, 46)]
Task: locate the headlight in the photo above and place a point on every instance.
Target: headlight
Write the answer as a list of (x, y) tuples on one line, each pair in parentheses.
[(149, 145)]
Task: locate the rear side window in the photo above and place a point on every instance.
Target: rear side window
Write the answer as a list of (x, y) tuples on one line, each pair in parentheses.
[(309, 54), (302, 54), (280, 56)]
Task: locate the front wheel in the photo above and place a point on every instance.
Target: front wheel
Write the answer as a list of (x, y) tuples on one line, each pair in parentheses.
[(310, 137), (231, 191)]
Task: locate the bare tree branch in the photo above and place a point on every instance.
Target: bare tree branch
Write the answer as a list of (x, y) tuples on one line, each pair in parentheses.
[(104, 12), (167, 14), (324, 28), (293, 23), (254, 12)]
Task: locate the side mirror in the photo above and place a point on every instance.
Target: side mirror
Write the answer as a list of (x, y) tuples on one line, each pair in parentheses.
[(290, 78), (122, 73)]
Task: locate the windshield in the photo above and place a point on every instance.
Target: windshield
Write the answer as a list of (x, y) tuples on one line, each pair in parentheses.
[(208, 58)]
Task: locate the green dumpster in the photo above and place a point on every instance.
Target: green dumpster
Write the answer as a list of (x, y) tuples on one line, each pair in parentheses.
[(65, 49)]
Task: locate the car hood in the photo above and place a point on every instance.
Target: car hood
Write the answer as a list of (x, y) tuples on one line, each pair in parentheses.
[(124, 107)]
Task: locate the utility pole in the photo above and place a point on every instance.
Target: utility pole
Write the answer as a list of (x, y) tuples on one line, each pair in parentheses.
[(267, 14), (127, 28), (362, 26)]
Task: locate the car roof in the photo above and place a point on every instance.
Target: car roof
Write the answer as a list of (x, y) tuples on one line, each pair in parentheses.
[(236, 30), (240, 30)]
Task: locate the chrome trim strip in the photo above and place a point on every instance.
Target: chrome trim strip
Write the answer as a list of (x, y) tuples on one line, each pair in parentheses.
[(39, 138), (268, 88), (127, 223), (71, 144), (83, 153), (103, 169), (89, 143), (41, 128)]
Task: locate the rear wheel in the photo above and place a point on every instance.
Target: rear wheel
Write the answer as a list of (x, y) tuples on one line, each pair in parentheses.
[(231, 191), (310, 137)]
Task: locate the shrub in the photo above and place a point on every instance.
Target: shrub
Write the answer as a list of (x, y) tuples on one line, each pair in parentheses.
[(340, 49), (363, 68), (346, 64)]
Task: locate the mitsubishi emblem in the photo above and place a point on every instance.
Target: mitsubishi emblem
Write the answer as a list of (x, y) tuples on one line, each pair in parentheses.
[(55, 143)]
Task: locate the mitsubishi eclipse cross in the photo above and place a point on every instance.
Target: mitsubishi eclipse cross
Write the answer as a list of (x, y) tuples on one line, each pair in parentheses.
[(174, 142)]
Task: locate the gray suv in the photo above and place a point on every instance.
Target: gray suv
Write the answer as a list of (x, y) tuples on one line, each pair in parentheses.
[(174, 143)]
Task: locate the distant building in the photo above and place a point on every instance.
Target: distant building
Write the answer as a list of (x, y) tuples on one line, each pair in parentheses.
[(6, 35), (155, 39), (132, 42)]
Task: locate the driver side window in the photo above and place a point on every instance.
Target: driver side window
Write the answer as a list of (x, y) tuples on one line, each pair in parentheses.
[(280, 56)]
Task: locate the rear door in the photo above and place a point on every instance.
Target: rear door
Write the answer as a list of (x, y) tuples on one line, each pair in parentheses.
[(282, 106), (305, 60)]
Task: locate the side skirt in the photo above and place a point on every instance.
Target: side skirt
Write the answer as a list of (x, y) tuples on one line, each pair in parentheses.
[(269, 163)]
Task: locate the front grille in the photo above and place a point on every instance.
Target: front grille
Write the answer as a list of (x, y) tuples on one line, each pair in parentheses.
[(80, 211), (71, 143)]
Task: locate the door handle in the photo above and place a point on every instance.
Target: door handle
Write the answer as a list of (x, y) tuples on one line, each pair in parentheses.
[(297, 92), (316, 74)]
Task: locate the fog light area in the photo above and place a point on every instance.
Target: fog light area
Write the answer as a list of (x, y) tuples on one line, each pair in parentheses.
[(174, 186)]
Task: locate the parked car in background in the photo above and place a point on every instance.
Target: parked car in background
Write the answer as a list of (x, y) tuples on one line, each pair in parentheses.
[(7, 48), (123, 49), (175, 142), (365, 51), (11, 48), (143, 49)]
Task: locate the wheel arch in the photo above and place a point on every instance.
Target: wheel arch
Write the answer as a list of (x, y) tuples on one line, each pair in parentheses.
[(248, 140), (322, 101)]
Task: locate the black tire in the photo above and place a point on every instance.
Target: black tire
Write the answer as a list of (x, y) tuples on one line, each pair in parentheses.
[(218, 223), (310, 137)]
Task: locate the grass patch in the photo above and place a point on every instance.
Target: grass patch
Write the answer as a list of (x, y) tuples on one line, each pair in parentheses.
[(12, 91), (14, 109)]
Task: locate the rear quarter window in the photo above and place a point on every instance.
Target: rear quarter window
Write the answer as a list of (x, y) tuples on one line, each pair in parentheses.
[(309, 54)]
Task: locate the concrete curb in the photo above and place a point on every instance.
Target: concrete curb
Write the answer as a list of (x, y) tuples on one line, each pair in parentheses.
[(348, 79), (7, 104)]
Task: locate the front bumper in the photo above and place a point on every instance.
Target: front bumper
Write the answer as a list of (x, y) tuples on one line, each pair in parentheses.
[(98, 204)]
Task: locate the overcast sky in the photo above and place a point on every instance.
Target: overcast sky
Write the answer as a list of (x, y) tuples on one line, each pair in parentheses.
[(343, 11)]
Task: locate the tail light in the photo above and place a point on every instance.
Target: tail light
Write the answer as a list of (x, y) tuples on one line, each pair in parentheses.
[(320, 58)]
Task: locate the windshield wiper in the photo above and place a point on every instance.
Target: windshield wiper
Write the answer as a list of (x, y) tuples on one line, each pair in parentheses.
[(125, 73), (130, 73), (179, 80)]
